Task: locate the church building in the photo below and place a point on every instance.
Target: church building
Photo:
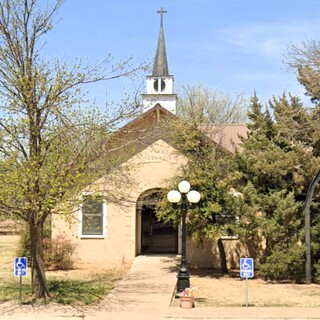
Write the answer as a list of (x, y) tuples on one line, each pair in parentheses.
[(112, 233)]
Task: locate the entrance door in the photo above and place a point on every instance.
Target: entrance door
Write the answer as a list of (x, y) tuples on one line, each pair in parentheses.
[(157, 236)]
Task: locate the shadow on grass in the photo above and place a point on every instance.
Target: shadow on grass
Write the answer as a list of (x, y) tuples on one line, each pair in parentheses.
[(11, 291), (65, 291), (73, 292)]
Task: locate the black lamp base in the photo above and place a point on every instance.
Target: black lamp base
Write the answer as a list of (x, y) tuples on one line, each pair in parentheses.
[(183, 281)]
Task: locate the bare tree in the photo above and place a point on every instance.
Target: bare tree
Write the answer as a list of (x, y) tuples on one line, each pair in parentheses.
[(305, 60), (207, 106)]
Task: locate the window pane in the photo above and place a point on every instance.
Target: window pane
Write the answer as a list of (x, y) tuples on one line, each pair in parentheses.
[(92, 215)]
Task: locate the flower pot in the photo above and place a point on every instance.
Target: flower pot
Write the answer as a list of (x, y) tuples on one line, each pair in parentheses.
[(186, 302)]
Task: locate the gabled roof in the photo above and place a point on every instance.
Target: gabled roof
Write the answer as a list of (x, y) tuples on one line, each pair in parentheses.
[(154, 114), (145, 129), (139, 133)]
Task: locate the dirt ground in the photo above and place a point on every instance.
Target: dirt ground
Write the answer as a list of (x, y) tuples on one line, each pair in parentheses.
[(230, 291), (226, 291)]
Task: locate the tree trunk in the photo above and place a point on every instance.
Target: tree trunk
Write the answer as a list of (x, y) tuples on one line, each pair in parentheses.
[(223, 259), (38, 277), (306, 211)]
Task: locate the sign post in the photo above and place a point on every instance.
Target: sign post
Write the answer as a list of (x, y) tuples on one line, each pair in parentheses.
[(20, 270), (246, 271)]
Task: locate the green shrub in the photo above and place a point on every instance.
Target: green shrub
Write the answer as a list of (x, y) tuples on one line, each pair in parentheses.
[(317, 273), (24, 244), (284, 265)]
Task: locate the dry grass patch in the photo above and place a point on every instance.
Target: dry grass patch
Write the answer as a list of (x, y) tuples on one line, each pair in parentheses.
[(229, 291)]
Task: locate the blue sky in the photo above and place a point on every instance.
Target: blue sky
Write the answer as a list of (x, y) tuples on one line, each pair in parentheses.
[(227, 45)]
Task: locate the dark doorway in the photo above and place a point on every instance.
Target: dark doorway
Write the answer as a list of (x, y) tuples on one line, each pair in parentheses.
[(157, 236)]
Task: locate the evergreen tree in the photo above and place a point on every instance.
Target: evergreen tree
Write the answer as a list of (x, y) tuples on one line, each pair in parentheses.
[(207, 171), (276, 165)]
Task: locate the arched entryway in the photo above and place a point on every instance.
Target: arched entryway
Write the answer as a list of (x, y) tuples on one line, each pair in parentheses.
[(153, 234)]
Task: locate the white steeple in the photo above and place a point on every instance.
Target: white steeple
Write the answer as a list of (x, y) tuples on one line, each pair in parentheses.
[(160, 83)]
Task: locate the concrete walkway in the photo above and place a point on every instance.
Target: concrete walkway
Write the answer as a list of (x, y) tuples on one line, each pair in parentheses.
[(145, 294)]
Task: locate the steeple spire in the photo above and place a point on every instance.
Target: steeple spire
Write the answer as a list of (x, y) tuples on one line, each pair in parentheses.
[(160, 67), (160, 83)]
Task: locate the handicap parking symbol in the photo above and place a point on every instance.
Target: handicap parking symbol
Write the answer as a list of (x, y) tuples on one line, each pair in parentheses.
[(20, 266), (246, 268)]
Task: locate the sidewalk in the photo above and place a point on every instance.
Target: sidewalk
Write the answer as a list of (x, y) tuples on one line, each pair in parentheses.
[(243, 313), (145, 294)]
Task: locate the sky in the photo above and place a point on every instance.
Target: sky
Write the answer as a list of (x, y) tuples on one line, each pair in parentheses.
[(230, 46)]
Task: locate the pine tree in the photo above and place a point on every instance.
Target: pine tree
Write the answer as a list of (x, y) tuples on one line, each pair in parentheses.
[(276, 165)]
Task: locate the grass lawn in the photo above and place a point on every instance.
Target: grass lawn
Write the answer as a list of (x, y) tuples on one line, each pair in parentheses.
[(74, 287)]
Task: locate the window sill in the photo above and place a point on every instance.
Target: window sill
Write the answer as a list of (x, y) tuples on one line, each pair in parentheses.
[(92, 237)]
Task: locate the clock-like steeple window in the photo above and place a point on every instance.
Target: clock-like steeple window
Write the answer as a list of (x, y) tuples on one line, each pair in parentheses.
[(156, 85), (162, 86)]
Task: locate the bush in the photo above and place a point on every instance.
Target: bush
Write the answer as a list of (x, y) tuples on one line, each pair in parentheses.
[(24, 244), (25, 241), (317, 273), (59, 254), (284, 265)]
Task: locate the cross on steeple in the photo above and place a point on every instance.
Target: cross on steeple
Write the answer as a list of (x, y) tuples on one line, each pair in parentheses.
[(161, 11)]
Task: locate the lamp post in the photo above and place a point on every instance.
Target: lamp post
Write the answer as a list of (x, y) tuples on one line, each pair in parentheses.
[(175, 196)]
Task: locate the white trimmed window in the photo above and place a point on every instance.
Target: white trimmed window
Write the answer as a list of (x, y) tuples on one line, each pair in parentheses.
[(93, 215)]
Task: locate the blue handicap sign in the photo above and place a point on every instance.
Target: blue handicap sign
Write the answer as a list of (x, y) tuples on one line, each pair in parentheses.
[(20, 266), (246, 268)]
